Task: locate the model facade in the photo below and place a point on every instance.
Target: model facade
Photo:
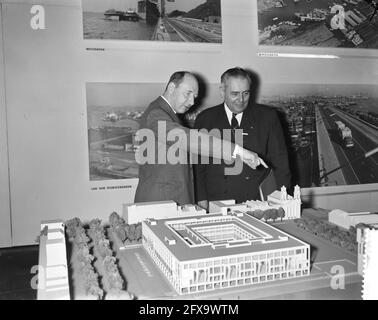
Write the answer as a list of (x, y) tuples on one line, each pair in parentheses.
[(346, 219), (370, 281), (278, 200), (362, 230), (137, 212), (53, 271), (290, 204), (362, 221), (208, 252)]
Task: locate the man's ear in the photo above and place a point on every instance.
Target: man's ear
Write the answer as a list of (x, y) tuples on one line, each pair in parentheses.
[(171, 87), (222, 89)]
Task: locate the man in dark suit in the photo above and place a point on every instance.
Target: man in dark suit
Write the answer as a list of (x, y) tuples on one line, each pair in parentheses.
[(262, 133), (163, 175)]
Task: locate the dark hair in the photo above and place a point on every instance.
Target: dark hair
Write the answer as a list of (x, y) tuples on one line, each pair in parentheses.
[(177, 78), (235, 73)]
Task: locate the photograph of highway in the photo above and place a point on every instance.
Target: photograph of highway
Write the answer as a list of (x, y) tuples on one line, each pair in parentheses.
[(331, 131), (155, 20), (320, 23)]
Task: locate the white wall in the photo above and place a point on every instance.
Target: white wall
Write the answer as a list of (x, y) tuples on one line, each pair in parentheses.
[(5, 224), (46, 72)]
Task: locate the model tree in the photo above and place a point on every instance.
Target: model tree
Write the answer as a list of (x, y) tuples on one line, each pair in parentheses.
[(267, 214), (281, 213), (71, 226), (274, 214), (258, 214), (112, 278), (330, 232), (138, 232), (131, 234), (114, 219), (118, 226), (83, 258)]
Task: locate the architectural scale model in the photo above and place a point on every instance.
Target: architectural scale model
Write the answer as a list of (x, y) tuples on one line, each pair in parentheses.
[(224, 206), (137, 212), (290, 204), (207, 252), (362, 244), (195, 251), (370, 281), (345, 219), (362, 221), (276, 200), (53, 271)]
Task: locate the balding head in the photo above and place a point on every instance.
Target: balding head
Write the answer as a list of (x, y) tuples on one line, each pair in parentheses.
[(181, 90)]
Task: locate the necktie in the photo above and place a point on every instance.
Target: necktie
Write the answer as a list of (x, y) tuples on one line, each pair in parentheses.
[(234, 122), (234, 125)]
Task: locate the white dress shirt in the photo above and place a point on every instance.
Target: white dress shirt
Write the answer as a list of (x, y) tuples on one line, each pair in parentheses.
[(238, 117)]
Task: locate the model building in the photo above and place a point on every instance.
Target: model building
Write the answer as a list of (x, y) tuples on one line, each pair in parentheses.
[(370, 282), (278, 205), (362, 221), (53, 271), (137, 212), (195, 251), (208, 252)]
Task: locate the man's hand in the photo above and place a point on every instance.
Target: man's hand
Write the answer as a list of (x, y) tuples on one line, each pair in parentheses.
[(250, 158), (204, 204)]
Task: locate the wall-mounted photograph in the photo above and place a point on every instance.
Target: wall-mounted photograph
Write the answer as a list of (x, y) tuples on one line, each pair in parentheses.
[(153, 20), (318, 23), (113, 113), (331, 131)]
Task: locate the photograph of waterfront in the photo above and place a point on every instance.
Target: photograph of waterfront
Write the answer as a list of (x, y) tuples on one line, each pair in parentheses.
[(331, 132), (153, 20), (113, 113), (320, 23)]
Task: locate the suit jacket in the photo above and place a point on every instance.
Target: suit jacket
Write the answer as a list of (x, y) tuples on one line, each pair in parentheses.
[(262, 133), (166, 181)]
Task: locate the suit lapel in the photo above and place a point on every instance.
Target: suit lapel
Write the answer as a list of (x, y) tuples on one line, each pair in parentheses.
[(248, 121), (222, 120)]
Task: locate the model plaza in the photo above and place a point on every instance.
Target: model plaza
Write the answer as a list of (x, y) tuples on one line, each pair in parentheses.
[(208, 252)]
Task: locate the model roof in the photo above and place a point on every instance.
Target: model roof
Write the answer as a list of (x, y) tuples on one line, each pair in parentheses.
[(276, 239)]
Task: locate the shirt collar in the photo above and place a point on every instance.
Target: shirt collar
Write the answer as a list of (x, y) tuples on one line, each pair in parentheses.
[(238, 117), (168, 104)]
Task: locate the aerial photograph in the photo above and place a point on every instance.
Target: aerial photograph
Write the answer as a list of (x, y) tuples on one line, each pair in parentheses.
[(113, 113), (331, 131), (153, 20), (320, 23)]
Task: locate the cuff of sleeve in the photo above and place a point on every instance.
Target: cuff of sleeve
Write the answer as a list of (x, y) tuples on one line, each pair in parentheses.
[(236, 151)]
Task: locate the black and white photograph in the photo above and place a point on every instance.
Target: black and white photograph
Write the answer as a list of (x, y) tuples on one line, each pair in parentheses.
[(189, 157), (318, 23), (113, 112), (153, 20), (331, 131)]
